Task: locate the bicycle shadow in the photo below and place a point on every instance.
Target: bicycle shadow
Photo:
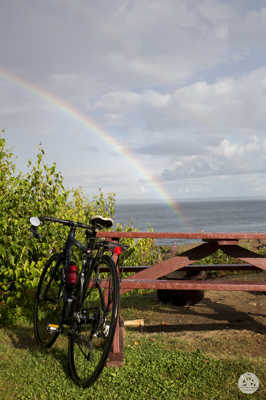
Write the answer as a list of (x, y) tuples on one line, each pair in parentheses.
[(23, 338)]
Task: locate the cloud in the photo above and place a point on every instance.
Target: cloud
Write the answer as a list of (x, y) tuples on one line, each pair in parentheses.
[(131, 44), (122, 100), (229, 158), (180, 84), (193, 117), (172, 148), (90, 149), (226, 105)]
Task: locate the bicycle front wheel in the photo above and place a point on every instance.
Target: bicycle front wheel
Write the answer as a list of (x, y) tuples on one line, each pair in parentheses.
[(49, 302), (94, 323)]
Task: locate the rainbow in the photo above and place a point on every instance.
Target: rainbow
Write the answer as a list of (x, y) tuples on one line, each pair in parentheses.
[(97, 130)]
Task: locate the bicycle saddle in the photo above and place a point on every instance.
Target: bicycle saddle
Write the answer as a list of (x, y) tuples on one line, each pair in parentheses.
[(101, 222)]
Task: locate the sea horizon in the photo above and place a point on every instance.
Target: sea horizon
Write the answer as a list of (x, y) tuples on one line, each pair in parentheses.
[(189, 199)]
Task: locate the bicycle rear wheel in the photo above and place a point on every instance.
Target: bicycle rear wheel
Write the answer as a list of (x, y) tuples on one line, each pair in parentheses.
[(49, 302), (94, 323)]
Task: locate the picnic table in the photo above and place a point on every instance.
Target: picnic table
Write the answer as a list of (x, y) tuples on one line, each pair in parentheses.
[(152, 277)]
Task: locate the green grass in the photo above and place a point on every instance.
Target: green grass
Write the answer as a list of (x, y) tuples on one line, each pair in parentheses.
[(154, 368)]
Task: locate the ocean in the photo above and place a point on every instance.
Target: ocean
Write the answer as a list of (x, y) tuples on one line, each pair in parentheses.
[(196, 216)]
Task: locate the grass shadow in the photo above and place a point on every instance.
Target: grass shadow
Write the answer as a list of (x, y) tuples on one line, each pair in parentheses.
[(221, 317)]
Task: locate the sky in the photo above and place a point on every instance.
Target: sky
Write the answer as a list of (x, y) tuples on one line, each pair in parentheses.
[(152, 100)]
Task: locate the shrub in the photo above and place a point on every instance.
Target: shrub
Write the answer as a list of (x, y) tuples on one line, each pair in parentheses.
[(40, 191)]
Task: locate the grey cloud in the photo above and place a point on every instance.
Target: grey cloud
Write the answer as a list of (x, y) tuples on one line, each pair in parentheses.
[(202, 112), (148, 42), (227, 159), (169, 148), (90, 149)]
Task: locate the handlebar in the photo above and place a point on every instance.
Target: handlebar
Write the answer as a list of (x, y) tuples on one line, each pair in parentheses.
[(66, 222), (90, 230), (109, 244)]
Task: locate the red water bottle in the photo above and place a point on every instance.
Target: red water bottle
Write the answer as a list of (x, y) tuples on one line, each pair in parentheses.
[(72, 276)]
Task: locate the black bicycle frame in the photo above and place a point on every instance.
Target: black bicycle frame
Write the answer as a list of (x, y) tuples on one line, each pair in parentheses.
[(71, 240), (88, 263), (68, 291), (87, 267)]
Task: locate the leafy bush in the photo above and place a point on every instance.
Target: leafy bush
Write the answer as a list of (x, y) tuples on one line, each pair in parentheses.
[(41, 191)]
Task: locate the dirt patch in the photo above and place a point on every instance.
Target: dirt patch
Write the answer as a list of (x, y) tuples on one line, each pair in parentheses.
[(224, 324)]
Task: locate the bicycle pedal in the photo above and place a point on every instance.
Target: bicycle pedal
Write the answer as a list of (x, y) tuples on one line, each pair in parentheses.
[(52, 328)]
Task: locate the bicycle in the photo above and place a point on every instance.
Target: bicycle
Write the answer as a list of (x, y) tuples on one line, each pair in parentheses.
[(84, 302)]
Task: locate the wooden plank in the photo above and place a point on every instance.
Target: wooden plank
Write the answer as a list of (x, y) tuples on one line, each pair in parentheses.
[(115, 359), (186, 235), (200, 267), (192, 285), (245, 255)]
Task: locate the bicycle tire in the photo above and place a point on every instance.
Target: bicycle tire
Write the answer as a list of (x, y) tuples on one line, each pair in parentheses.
[(94, 324), (48, 306)]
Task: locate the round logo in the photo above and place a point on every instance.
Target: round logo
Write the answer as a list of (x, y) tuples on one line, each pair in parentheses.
[(248, 383)]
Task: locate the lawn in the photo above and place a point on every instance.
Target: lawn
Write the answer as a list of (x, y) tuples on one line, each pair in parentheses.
[(161, 362)]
